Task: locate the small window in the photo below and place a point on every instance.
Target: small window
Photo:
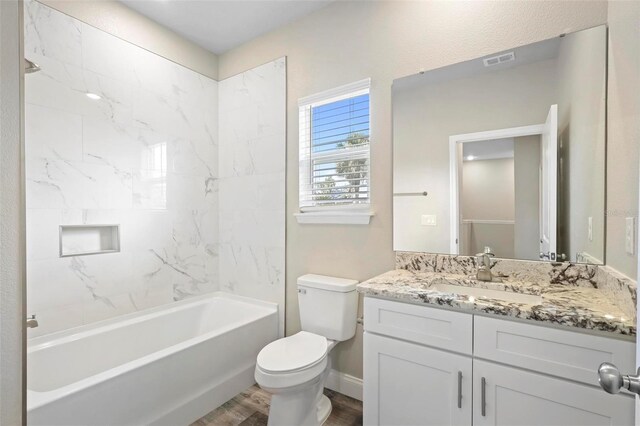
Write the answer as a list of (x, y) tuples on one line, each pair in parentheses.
[(334, 149)]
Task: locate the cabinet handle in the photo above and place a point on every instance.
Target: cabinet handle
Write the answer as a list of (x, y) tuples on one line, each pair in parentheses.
[(459, 389), (483, 403)]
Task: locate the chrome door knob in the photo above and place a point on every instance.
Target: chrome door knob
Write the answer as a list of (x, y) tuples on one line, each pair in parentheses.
[(612, 381), (610, 378)]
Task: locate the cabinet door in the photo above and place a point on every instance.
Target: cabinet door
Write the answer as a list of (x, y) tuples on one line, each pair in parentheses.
[(514, 397), (410, 384)]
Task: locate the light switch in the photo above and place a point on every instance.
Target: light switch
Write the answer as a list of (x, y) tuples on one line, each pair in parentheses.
[(590, 228), (428, 220), (630, 233)]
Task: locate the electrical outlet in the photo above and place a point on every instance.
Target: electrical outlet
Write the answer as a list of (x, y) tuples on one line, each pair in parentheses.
[(428, 220), (590, 228), (629, 235)]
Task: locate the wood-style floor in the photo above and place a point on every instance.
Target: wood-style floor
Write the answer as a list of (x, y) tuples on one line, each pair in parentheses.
[(251, 408)]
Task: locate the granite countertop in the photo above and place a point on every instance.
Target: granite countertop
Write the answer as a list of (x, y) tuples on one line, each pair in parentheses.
[(567, 305)]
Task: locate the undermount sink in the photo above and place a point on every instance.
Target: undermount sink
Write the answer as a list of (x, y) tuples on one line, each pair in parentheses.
[(485, 293)]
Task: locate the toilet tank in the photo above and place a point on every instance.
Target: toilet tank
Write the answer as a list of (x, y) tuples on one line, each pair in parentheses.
[(328, 306)]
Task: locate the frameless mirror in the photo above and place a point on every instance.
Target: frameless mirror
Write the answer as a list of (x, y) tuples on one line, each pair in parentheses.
[(505, 153)]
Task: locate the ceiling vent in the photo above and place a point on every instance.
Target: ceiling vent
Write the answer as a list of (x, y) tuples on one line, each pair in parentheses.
[(499, 59)]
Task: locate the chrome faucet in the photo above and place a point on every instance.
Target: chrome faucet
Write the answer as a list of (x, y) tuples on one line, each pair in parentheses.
[(32, 322), (484, 265)]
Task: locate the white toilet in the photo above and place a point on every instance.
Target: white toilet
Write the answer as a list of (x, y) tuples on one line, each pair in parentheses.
[(294, 369)]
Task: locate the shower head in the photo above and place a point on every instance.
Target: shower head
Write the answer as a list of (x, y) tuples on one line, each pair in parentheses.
[(30, 67)]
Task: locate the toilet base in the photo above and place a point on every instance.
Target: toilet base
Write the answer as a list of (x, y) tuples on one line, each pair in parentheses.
[(324, 409), (300, 405)]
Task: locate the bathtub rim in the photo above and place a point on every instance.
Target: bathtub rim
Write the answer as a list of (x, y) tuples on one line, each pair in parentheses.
[(73, 333), (37, 399)]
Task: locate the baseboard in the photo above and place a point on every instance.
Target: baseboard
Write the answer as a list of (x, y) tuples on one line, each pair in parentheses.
[(345, 384)]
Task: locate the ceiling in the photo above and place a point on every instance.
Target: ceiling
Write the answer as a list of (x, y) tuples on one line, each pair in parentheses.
[(488, 150), (221, 25)]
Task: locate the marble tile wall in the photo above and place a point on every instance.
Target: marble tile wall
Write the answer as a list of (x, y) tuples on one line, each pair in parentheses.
[(144, 156), (252, 147)]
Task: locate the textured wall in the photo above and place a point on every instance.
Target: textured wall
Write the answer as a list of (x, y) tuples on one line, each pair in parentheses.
[(144, 156), (252, 183), (12, 280), (348, 41), (623, 131)]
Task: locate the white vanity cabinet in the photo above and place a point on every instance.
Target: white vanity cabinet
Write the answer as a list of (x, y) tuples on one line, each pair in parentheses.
[(430, 366), (410, 384), (516, 397)]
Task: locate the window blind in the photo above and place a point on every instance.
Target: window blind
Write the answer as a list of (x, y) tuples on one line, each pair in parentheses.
[(334, 147)]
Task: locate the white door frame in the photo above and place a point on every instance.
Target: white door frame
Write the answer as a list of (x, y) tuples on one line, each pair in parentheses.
[(454, 196)]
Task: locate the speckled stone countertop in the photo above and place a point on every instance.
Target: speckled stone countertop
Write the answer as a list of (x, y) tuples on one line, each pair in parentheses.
[(579, 297)]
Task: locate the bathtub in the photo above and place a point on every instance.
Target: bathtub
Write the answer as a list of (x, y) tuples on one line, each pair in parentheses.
[(169, 365)]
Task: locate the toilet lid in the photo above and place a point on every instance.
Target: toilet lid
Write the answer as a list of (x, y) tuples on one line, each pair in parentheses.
[(293, 353)]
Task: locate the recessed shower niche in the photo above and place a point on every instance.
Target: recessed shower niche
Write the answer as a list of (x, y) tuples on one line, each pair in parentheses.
[(80, 240)]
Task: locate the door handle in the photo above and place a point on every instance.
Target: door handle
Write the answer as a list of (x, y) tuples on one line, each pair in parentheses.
[(612, 381)]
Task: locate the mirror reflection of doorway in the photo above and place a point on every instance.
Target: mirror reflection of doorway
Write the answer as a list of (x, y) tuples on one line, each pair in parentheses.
[(492, 213), (488, 214)]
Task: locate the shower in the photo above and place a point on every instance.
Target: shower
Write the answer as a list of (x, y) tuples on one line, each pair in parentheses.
[(30, 67)]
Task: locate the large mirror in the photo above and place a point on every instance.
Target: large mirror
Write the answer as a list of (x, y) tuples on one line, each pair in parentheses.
[(505, 153)]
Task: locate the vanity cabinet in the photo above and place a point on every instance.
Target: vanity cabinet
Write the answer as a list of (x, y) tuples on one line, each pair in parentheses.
[(507, 396), (431, 366), (410, 384)]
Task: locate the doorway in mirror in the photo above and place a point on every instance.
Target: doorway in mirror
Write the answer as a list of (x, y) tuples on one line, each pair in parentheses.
[(488, 214)]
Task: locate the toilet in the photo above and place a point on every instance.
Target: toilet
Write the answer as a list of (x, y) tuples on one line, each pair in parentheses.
[(294, 369)]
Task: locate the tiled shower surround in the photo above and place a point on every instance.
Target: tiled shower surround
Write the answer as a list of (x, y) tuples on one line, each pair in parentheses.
[(252, 183), (146, 156)]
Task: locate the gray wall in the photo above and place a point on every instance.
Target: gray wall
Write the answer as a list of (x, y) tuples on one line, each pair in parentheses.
[(487, 190), (12, 262), (386, 40), (527, 197), (497, 236), (623, 130), (487, 203), (581, 127)]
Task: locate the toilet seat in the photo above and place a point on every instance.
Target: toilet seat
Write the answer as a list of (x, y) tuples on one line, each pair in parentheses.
[(292, 360), (293, 353)]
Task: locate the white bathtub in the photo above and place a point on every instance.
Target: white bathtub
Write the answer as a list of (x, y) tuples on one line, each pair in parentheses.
[(169, 365)]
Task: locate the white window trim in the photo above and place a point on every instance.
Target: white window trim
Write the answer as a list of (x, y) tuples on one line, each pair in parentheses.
[(348, 214), (335, 217)]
